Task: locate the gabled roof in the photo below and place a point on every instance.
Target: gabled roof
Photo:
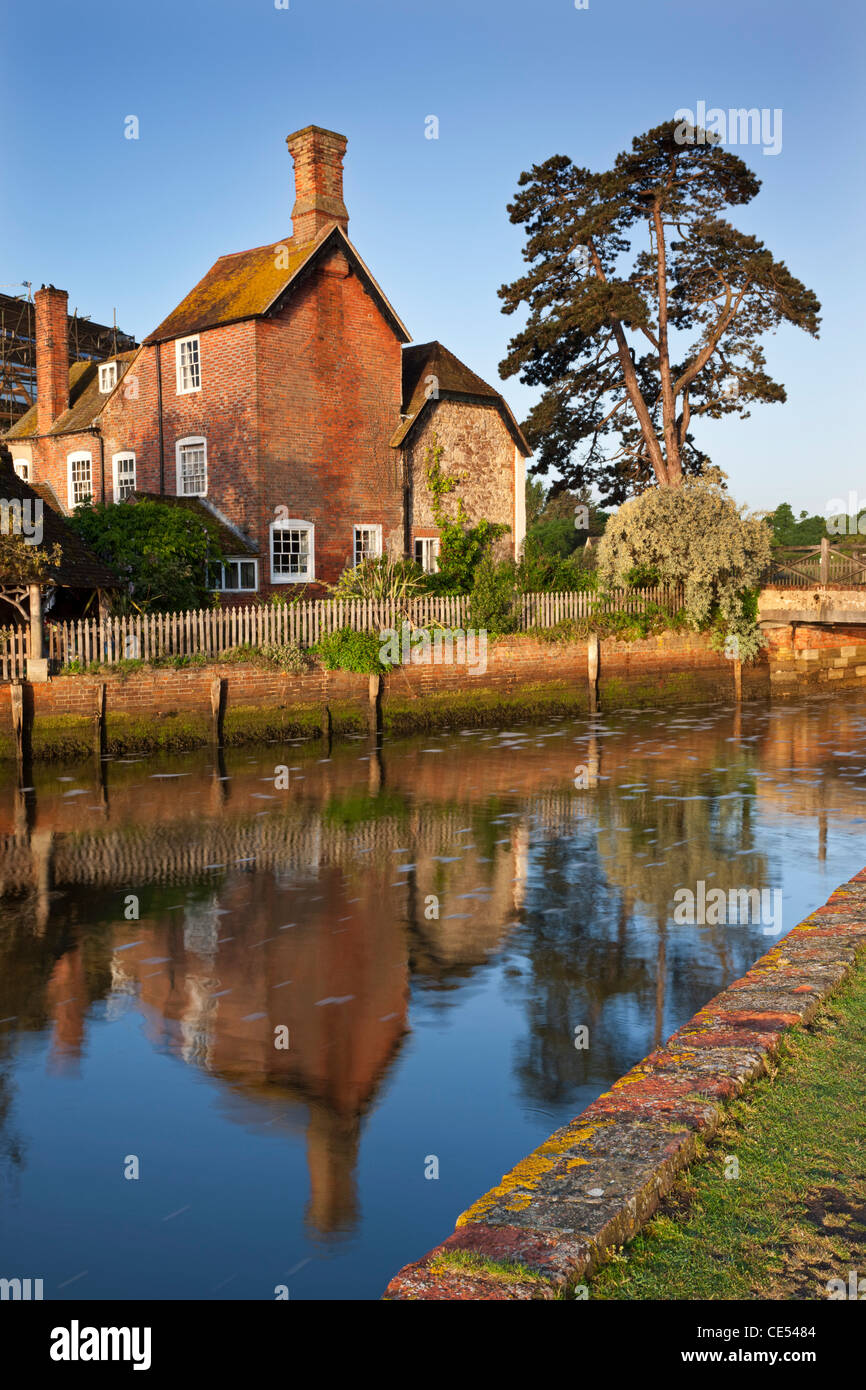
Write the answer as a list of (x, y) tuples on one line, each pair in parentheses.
[(86, 401), (79, 567), (232, 540), (454, 381), (250, 284)]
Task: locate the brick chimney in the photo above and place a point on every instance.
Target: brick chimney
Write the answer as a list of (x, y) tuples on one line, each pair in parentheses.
[(318, 156), (52, 356)]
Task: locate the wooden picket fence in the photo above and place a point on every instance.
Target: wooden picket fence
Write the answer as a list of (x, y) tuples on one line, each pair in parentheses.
[(14, 650), (209, 632)]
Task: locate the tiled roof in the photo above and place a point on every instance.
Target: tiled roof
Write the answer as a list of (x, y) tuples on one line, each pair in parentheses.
[(79, 567), (247, 284), (86, 401), (454, 380)]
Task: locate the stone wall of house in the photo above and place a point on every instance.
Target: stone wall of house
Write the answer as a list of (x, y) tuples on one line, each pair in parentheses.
[(478, 451)]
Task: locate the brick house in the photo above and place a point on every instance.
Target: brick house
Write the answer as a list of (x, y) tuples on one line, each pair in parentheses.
[(281, 394)]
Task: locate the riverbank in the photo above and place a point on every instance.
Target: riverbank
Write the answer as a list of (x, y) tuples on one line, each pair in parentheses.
[(776, 1209), (524, 677), (590, 1188), (152, 709)]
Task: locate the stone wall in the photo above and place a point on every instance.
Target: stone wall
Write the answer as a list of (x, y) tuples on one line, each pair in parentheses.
[(814, 658)]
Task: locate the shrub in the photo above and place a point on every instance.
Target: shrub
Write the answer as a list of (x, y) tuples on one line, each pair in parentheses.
[(543, 571), (697, 536), (348, 650), (161, 551), (380, 578), (494, 601), (287, 655)]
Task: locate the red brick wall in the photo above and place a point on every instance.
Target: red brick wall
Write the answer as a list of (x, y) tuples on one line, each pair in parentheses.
[(329, 392), (297, 411), (513, 663)]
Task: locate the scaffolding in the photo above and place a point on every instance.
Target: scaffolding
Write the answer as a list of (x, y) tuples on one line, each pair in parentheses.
[(88, 342)]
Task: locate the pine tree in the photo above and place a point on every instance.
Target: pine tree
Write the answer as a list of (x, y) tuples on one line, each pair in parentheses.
[(646, 309)]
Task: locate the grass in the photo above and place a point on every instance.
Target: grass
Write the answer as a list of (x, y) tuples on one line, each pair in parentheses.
[(467, 1262), (796, 1215)]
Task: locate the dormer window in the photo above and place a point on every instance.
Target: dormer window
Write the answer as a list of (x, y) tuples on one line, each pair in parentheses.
[(188, 364), (107, 377), (22, 468)]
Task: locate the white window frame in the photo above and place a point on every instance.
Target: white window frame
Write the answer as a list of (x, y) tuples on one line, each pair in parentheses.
[(190, 441), (225, 588), (432, 543), (116, 460), (78, 456), (181, 366), (23, 468), (366, 526), (107, 377), (293, 524)]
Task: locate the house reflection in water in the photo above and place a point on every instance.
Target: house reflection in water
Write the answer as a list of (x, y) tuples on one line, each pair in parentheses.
[(309, 918)]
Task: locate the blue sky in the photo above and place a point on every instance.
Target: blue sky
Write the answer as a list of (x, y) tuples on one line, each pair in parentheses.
[(130, 225)]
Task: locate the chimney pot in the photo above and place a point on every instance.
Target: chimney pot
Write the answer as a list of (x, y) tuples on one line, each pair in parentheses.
[(318, 159)]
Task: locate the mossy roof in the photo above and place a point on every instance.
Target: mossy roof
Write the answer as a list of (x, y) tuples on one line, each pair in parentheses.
[(86, 401), (454, 381), (79, 567), (248, 284)]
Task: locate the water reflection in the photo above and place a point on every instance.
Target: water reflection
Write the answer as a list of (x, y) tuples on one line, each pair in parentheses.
[(360, 907)]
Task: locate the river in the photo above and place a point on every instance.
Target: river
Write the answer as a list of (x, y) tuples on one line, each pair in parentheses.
[(272, 1017)]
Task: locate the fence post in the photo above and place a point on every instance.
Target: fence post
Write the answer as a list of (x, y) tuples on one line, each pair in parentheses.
[(824, 570)]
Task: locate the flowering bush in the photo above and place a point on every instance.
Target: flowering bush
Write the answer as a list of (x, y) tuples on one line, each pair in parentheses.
[(697, 536)]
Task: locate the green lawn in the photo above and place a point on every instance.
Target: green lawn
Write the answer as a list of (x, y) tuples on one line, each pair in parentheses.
[(796, 1215)]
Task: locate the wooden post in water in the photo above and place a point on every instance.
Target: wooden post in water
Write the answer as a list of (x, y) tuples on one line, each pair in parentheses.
[(16, 693), (99, 721), (374, 695), (217, 708), (592, 670), (738, 681)]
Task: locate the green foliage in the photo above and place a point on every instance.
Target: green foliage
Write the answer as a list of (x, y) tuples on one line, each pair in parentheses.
[(348, 650), (461, 546), (160, 549), (543, 570), (494, 600), (535, 494), (694, 535), (646, 309), (791, 530)]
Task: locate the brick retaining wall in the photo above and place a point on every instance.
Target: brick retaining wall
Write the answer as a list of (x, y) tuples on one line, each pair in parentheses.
[(164, 707)]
